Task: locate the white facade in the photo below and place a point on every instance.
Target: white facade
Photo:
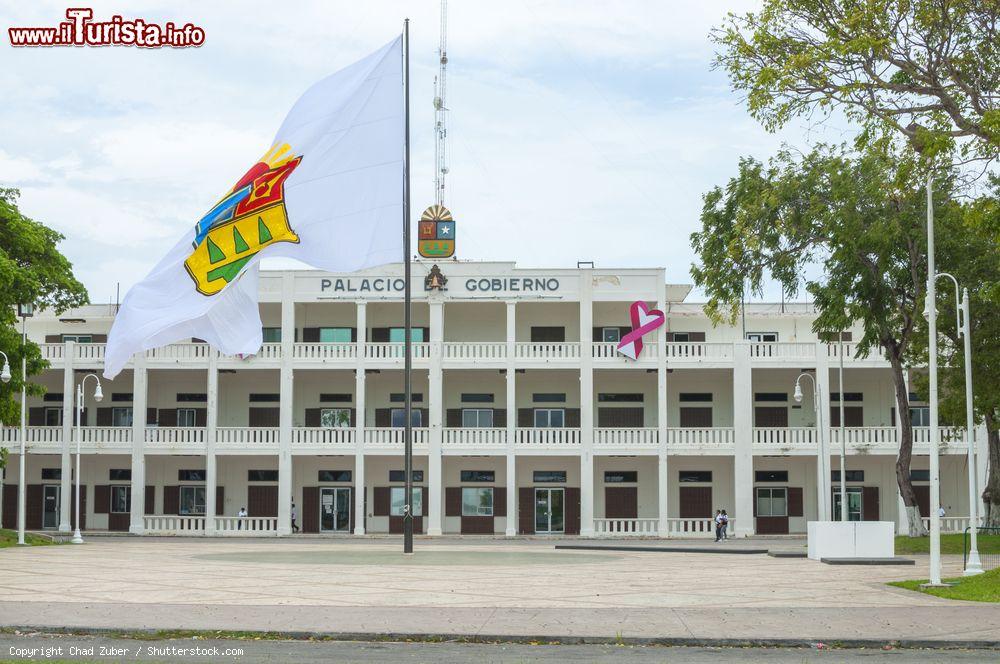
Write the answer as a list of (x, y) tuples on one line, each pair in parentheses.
[(568, 436)]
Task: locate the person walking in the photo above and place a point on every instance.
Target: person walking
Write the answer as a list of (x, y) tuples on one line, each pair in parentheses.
[(725, 525), (241, 515), (718, 525), (295, 527)]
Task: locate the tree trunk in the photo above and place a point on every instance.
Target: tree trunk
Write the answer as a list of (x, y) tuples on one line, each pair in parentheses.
[(991, 495), (915, 525)]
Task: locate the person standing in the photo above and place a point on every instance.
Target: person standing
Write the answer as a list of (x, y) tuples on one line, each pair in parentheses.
[(295, 527), (718, 525), (725, 525), (241, 516)]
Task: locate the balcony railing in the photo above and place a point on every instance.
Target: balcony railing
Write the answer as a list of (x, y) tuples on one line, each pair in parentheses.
[(704, 527), (949, 435), (624, 437), (173, 525), (323, 436), (179, 352), (785, 436), (527, 350), (175, 438), (626, 527), (324, 351), (864, 436), (394, 436), (236, 526), (396, 350), (249, 437), (606, 350), (699, 352), (700, 438), (783, 351), (548, 437), (474, 437), (475, 350)]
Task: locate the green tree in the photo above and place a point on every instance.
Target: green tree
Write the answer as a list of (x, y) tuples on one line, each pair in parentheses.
[(928, 67), (31, 270), (861, 218), (968, 247)]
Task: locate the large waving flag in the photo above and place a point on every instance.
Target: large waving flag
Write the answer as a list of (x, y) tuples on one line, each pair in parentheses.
[(329, 192)]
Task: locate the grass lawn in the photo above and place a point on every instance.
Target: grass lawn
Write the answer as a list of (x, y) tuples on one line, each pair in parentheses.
[(9, 538), (981, 588), (949, 544)]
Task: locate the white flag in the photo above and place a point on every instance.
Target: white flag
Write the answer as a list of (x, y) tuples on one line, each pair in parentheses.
[(329, 192)]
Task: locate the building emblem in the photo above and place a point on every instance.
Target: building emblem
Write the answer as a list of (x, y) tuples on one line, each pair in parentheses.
[(249, 218), (644, 321), (435, 280), (436, 237)]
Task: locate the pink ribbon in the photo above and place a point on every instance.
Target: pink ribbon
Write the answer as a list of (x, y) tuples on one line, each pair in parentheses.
[(644, 321)]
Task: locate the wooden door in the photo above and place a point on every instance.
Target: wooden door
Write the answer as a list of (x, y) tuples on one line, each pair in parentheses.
[(770, 416), (621, 502), (620, 417), (262, 500), (696, 502), (696, 417), (923, 499), (310, 509), (526, 510), (869, 503), (572, 510)]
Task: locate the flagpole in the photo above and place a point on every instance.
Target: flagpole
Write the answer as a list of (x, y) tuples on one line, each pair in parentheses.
[(408, 364)]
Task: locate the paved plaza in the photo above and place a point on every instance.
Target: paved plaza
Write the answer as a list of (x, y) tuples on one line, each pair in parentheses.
[(478, 588)]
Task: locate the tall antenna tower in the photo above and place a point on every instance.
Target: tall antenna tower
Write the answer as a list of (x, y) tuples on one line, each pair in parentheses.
[(441, 110)]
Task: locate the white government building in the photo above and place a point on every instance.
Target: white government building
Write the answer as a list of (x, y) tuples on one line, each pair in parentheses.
[(527, 420)]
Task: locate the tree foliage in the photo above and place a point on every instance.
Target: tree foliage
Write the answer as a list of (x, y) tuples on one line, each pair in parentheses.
[(860, 217), (929, 69), (31, 270)]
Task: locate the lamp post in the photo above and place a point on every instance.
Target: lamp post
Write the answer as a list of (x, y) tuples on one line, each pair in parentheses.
[(843, 436), (98, 395), (25, 311), (962, 323), (5, 378), (823, 456)]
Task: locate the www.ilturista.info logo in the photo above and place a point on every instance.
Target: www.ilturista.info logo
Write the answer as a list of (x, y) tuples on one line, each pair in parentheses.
[(81, 30)]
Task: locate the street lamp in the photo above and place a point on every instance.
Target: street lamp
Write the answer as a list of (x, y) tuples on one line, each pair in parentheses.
[(5, 378), (962, 323), (98, 395), (824, 472), (25, 311)]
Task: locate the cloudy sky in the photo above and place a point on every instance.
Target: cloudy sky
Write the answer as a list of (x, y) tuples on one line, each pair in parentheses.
[(579, 129)]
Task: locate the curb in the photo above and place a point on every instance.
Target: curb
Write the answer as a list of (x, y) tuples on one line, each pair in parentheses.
[(660, 549), (538, 639)]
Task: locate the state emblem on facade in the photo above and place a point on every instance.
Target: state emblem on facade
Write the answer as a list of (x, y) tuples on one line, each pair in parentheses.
[(436, 237), (247, 219)]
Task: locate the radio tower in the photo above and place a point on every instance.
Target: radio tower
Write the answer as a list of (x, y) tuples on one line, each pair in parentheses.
[(441, 110)]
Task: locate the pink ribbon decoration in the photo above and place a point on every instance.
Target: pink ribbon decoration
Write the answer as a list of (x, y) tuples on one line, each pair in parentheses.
[(644, 321)]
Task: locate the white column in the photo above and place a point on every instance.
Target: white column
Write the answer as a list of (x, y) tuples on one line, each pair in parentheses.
[(435, 404), (359, 420), (586, 404), (69, 410), (662, 466), (511, 385), (285, 383), (211, 425), (743, 436), (138, 506), (822, 409)]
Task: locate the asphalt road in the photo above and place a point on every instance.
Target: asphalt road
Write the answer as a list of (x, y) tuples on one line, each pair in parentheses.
[(99, 649)]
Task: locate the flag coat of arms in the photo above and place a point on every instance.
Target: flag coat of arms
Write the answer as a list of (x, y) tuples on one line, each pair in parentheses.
[(327, 192)]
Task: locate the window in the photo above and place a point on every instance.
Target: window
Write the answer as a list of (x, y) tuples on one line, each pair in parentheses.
[(120, 475), (831, 337), (548, 334), (682, 337), (848, 396), (272, 335), (335, 335), (399, 417), (122, 396), (695, 476), (920, 416), (477, 418), (53, 396), (620, 476), (121, 416), (771, 476), (185, 417), (476, 397), (51, 473), (397, 494), (548, 476), (334, 476), (916, 476), (192, 397), (852, 476), (695, 397), (121, 499), (548, 397), (611, 334), (620, 398), (398, 334), (400, 476), (335, 418), (400, 397), (265, 398), (772, 502), (854, 503), (478, 476), (550, 418), (763, 337), (262, 476), (53, 417), (191, 475), (335, 398), (192, 500), (771, 396), (79, 338), (477, 501)]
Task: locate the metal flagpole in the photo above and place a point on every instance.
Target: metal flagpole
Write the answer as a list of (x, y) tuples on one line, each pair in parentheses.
[(843, 438), (407, 366)]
